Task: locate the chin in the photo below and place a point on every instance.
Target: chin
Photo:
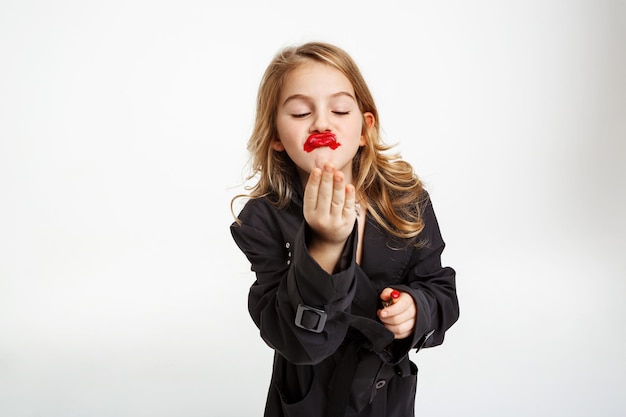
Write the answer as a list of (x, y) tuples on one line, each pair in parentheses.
[(322, 158)]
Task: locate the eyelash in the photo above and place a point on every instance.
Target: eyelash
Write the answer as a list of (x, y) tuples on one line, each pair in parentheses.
[(303, 115)]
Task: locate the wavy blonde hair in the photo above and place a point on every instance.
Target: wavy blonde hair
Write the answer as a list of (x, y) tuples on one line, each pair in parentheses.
[(395, 195)]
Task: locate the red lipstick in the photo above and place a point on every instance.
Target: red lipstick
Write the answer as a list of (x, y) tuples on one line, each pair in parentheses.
[(317, 140)]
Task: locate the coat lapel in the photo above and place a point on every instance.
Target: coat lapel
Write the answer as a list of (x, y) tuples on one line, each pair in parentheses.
[(381, 266), (384, 261)]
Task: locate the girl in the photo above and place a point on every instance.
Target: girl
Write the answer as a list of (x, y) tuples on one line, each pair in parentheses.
[(344, 244)]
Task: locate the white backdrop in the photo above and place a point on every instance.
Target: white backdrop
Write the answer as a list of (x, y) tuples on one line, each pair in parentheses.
[(123, 127)]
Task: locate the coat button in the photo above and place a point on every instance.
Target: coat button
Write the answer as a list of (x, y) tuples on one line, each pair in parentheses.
[(380, 384)]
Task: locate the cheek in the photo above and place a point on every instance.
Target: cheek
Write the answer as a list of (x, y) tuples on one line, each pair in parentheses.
[(285, 129)]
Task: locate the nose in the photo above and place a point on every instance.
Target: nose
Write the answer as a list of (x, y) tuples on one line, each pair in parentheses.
[(320, 123)]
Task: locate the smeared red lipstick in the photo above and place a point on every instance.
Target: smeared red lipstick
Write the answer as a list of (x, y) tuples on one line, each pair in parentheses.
[(317, 140)]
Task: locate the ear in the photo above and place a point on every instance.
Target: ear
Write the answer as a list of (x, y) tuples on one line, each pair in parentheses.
[(368, 122), (277, 145)]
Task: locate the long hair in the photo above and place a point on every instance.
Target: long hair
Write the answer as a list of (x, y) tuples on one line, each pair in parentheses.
[(395, 195)]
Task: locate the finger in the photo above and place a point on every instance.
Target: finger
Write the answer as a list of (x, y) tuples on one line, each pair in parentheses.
[(398, 311), (349, 207), (392, 314), (396, 318), (400, 325), (311, 191), (401, 330), (325, 193), (339, 194), (385, 295)]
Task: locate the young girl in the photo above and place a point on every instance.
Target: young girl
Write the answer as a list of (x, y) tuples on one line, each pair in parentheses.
[(344, 244)]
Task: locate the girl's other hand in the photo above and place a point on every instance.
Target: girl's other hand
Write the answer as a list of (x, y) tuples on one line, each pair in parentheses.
[(399, 318)]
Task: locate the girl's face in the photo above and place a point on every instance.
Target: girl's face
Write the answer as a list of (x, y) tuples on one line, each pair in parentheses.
[(317, 98)]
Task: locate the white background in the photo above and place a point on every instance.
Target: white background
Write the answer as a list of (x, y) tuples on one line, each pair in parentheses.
[(123, 127)]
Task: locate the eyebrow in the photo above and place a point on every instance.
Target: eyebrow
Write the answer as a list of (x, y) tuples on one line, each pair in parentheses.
[(307, 98)]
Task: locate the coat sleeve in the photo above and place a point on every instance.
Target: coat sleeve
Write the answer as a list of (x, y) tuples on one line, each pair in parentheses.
[(288, 277), (432, 286)]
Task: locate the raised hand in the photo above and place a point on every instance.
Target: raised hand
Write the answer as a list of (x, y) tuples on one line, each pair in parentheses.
[(329, 210)]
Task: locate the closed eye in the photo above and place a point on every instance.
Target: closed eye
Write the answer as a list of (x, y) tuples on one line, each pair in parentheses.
[(341, 113), (300, 115)]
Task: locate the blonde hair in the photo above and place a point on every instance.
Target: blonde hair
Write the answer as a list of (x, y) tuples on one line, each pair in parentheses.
[(395, 195)]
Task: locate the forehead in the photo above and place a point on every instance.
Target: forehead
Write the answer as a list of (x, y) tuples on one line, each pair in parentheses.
[(315, 79)]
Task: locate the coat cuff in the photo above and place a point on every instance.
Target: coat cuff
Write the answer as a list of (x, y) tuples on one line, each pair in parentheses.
[(316, 287)]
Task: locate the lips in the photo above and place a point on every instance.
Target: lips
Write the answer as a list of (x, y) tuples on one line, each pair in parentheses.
[(318, 140)]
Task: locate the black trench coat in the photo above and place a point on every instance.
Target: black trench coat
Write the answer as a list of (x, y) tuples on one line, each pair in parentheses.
[(333, 357)]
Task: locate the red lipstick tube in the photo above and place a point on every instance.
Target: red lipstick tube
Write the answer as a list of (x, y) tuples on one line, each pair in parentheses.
[(395, 294)]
